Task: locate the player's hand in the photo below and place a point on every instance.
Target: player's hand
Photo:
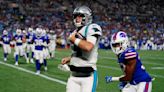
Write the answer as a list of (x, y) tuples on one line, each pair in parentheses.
[(122, 85), (72, 37), (108, 79), (65, 60)]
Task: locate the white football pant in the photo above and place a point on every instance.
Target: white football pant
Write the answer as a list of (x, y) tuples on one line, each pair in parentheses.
[(141, 87), (6, 48), (82, 84)]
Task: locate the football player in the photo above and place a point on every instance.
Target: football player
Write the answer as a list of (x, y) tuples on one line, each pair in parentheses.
[(135, 78), (30, 45), (39, 43), (19, 39), (6, 39), (52, 44), (45, 49), (84, 42)]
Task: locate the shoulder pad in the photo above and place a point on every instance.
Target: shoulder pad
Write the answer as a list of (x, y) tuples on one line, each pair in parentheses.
[(94, 29), (130, 53)]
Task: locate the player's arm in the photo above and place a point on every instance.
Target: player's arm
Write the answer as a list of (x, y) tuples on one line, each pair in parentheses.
[(83, 44), (129, 70)]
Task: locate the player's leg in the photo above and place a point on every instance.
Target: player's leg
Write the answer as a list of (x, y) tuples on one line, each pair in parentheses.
[(27, 53), (32, 54), (129, 88), (144, 87), (8, 50), (45, 54), (16, 53), (73, 85), (22, 52), (5, 52), (37, 63), (89, 84)]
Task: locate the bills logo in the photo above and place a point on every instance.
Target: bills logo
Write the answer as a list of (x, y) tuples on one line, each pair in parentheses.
[(122, 35)]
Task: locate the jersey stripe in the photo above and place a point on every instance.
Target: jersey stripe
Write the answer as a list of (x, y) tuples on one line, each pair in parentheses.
[(129, 57), (146, 87), (131, 53)]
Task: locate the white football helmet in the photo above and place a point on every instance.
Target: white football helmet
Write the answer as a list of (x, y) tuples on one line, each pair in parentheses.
[(18, 31), (5, 32), (24, 32), (38, 32), (84, 12), (30, 30), (119, 42)]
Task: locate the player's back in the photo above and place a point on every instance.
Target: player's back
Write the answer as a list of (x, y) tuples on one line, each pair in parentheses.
[(140, 74)]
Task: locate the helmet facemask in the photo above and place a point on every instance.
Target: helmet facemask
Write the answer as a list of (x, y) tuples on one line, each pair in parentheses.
[(83, 12)]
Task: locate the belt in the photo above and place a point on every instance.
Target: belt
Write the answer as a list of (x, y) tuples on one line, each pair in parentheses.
[(77, 74), (81, 69)]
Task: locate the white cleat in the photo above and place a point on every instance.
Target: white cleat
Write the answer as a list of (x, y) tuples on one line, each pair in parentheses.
[(5, 59), (27, 60), (45, 68), (32, 61), (16, 63), (37, 72)]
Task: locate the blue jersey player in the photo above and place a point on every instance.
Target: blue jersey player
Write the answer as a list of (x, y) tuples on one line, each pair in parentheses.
[(6, 38), (135, 78), (30, 45), (39, 44)]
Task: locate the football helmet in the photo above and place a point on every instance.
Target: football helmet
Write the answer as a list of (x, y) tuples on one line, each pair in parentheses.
[(85, 13), (119, 42), (18, 31), (5, 32), (38, 32), (30, 30)]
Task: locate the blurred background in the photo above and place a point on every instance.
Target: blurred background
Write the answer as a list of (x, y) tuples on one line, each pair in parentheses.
[(143, 20)]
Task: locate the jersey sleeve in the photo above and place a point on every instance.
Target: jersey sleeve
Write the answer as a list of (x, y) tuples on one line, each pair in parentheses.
[(94, 31), (130, 54)]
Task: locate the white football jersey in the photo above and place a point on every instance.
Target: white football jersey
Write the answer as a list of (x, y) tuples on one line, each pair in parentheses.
[(81, 58)]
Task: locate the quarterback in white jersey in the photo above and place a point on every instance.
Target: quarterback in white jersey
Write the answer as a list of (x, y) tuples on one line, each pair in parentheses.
[(84, 43)]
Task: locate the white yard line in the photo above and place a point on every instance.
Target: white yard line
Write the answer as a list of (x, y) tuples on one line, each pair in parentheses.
[(157, 68), (31, 72)]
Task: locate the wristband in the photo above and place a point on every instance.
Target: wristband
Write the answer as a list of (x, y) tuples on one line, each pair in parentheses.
[(77, 41), (115, 78)]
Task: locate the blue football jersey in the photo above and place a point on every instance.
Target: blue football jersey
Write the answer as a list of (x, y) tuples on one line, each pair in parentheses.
[(39, 41), (18, 39), (29, 38), (139, 75), (6, 39), (46, 38)]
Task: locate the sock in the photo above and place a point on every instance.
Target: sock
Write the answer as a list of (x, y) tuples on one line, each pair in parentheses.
[(37, 65), (45, 62), (16, 58), (32, 55)]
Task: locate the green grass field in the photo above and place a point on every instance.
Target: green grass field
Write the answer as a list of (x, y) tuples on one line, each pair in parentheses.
[(14, 80)]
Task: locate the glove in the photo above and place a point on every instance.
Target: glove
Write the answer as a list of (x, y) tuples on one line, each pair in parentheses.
[(122, 85), (108, 79)]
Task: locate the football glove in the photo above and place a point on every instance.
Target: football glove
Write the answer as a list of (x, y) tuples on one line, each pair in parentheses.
[(122, 85), (108, 79)]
